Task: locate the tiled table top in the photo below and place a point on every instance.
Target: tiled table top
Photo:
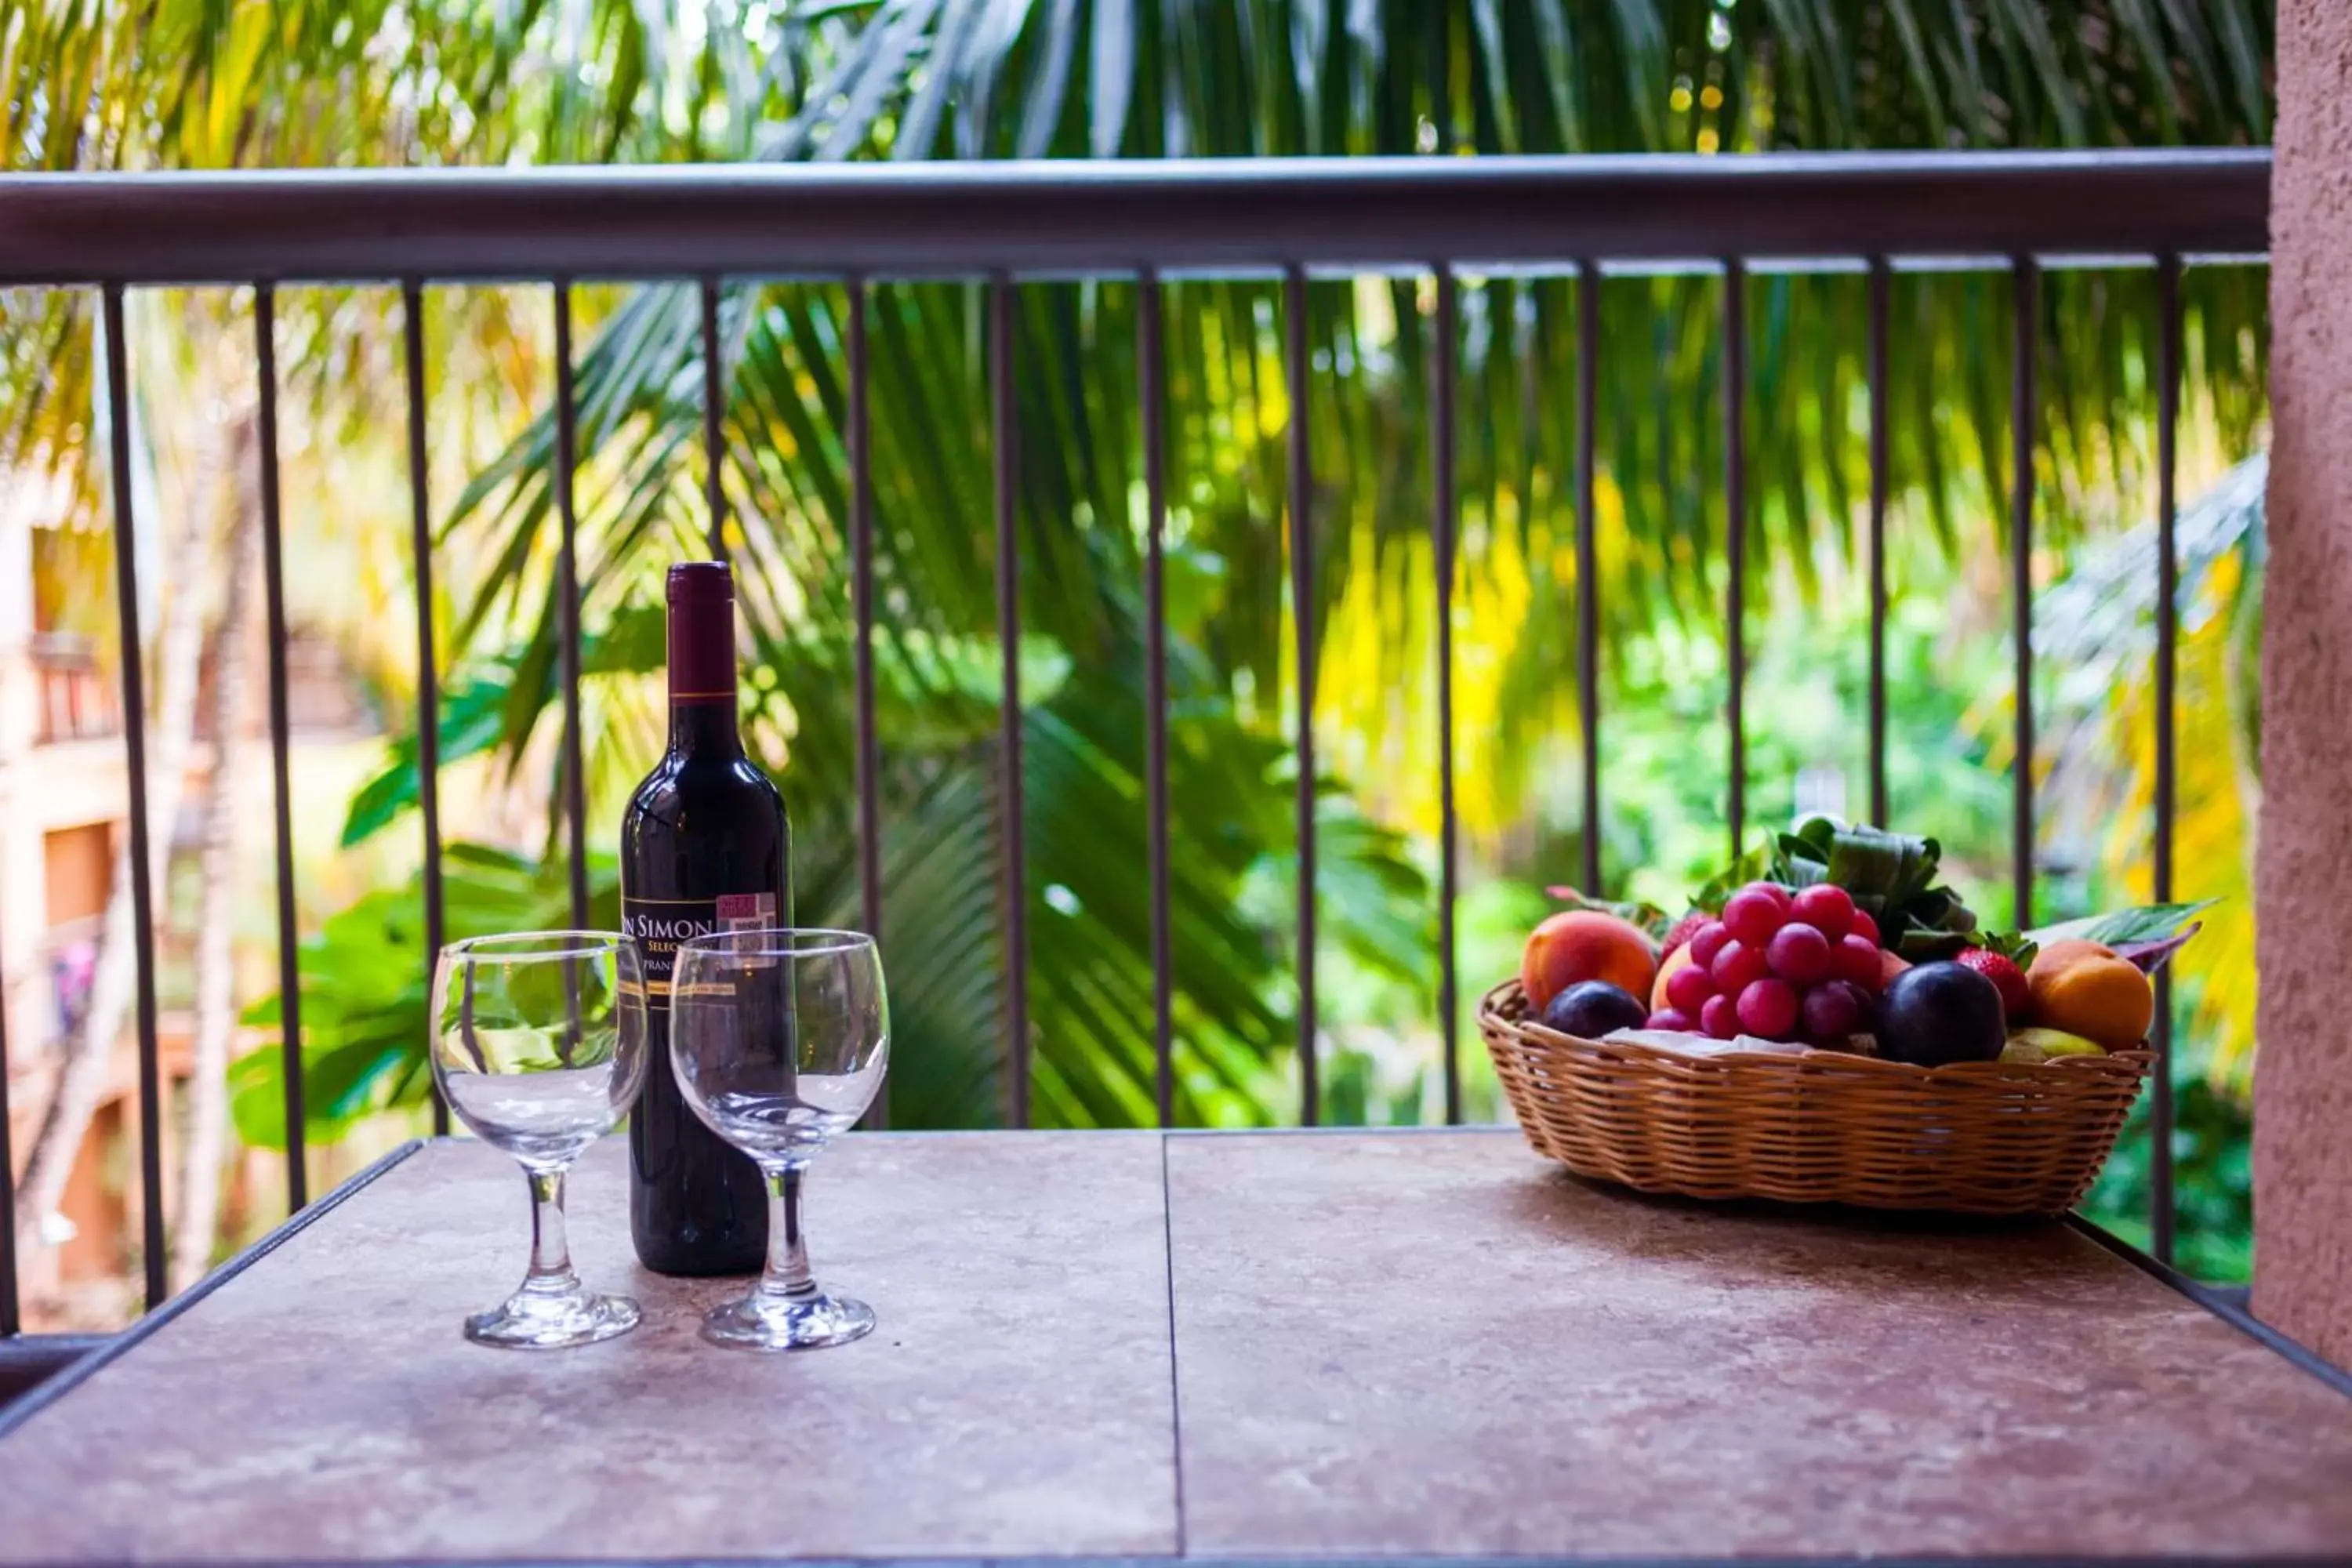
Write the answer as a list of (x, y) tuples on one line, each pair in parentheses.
[(1129, 1345)]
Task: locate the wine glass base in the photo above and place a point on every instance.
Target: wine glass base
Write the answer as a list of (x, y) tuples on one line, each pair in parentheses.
[(760, 1322), (537, 1322)]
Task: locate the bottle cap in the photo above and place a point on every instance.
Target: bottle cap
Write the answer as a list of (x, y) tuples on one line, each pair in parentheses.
[(701, 583)]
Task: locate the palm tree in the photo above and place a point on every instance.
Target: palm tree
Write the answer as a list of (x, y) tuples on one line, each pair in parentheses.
[(917, 78)]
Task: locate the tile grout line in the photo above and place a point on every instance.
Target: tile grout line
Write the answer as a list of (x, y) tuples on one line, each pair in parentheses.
[(1175, 1385)]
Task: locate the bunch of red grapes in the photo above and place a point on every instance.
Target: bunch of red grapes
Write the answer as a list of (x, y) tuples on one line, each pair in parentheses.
[(1779, 965)]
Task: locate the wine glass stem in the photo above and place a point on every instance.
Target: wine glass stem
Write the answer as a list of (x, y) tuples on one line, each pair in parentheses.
[(788, 1265), (550, 1247)]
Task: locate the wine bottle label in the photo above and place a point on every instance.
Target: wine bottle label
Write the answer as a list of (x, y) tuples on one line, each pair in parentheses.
[(660, 925)]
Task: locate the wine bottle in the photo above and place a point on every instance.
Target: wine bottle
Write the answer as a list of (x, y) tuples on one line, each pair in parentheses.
[(705, 847)]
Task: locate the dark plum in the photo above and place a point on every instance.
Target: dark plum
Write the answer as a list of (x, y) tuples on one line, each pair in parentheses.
[(1933, 1014), (1591, 1008), (1835, 1010)]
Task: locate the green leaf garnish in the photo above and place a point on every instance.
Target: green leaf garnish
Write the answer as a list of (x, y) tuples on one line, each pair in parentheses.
[(2147, 922)]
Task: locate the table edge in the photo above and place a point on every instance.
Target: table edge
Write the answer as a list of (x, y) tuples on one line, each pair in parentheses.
[(2292, 1350), (1262, 1560), (14, 1416)]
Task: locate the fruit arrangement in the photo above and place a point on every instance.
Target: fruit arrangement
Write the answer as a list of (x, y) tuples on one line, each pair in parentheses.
[(1840, 938)]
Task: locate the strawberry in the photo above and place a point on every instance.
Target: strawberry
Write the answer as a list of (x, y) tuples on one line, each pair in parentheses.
[(1684, 930), (2007, 979)]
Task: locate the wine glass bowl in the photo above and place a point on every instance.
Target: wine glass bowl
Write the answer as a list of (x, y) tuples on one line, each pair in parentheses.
[(779, 1041), (537, 1044)]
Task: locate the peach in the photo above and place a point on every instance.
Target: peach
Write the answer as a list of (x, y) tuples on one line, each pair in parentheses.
[(1680, 958), (1586, 944)]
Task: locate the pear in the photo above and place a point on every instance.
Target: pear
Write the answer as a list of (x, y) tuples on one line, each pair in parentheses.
[(2028, 1047)]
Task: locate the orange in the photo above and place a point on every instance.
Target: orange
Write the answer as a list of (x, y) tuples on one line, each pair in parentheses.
[(2084, 989), (1576, 945)]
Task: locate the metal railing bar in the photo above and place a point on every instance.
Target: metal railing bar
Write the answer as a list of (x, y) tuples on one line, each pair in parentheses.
[(1587, 563), (134, 745), (1847, 262), (1405, 268), (1004, 422), (567, 599), (858, 439), (1297, 366), (1735, 538), (861, 594), (861, 599), (1469, 270), (11, 1318), (2161, 1110), (1858, 264), (1441, 504), (1831, 262), (428, 689), (2023, 421), (1879, 290), (714, 421), (902, 220), (1151, 370), (2047, 260), (273, 589), (1696, 266)]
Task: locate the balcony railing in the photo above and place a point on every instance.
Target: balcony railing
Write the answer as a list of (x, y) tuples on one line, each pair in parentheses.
[(1011, 223), (75, 701)]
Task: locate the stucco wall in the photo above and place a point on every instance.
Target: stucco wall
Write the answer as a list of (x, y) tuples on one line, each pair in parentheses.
[(2302, 1118)]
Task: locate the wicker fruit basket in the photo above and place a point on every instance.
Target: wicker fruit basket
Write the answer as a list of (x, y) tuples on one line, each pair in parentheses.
[(1981, 1138)]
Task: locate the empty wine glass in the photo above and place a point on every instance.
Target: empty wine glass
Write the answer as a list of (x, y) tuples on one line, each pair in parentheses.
[(780, 1039), (538, 1046)]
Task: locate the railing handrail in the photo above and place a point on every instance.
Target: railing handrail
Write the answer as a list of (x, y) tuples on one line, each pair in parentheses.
[(1112, 216), (62, 650)]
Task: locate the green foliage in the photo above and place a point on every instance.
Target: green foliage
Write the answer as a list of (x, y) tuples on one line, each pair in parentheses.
[(366, 983), (2214, 1185), (1225, 84), (1892, 876)]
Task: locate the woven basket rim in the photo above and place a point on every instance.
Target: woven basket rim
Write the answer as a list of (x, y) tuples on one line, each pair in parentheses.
[(1812, 1059)]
